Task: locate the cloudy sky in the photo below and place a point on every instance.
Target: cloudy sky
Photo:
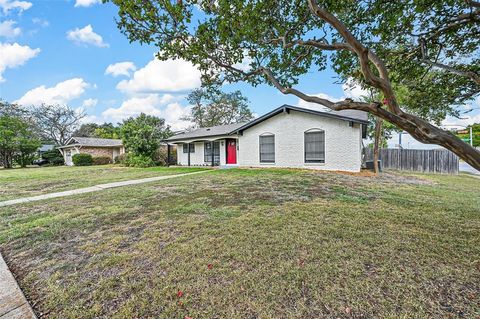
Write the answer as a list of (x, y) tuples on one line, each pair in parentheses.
[(71, 52)]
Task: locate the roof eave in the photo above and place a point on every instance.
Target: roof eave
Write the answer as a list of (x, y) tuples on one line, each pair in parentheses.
[(286, 108)]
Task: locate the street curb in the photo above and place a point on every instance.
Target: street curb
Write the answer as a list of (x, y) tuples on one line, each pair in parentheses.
[(13, 303)]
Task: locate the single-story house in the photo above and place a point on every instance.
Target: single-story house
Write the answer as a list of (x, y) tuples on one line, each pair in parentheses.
[(90, 145), (288, 136)]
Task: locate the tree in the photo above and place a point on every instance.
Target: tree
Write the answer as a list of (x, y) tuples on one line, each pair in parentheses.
[(11, 109), (108, 130), (464, 134), (428, 47), (212, 107), (142, 135), (105, 130), (17, 141), (86, 130), (56, 122)]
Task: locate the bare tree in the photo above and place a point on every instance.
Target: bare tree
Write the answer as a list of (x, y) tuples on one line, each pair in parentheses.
[(56, 122)]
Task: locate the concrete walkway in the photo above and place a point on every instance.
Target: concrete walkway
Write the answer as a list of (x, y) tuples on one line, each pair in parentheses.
[(12, 301), (95, 188)]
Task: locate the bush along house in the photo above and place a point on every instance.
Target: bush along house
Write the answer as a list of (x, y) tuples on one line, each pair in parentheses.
[(97, 147), (288, 136)]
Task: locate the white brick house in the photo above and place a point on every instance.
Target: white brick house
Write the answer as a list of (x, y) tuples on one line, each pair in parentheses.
[(288, 136)]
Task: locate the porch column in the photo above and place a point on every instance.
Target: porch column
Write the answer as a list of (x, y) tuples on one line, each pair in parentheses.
[(168, 154), (188, 154), (212, 144)]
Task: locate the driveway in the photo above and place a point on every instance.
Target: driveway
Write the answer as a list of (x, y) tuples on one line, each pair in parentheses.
[(464, 167)]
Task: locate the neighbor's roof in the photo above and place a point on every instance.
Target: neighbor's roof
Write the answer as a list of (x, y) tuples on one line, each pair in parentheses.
[(93, 142), (345, 115), (206, 132)]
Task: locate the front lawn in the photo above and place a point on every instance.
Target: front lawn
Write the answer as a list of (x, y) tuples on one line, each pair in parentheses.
[(253, 244), (23, 182)]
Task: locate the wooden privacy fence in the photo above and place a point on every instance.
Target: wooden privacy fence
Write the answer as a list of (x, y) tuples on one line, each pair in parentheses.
[(428, 161)]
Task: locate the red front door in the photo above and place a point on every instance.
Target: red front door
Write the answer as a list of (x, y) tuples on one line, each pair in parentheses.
[(231, 152)]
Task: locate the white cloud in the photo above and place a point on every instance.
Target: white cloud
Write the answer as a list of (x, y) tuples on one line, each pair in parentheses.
[(14, 55), (472, 116), (8, 5), (86, 36), (315, 106), (350, 90), (41, 22), (162, 76), (152, 104), (89, 103), (7, 29), (120, 68), (92, 119), (86, 3), (245, 64), (354, 90), (61, 93)]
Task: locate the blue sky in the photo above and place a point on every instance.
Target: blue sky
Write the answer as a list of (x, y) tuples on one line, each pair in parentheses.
[(70, 51)]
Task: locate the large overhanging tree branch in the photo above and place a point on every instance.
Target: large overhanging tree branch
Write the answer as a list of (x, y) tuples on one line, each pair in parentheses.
[(386, 46)]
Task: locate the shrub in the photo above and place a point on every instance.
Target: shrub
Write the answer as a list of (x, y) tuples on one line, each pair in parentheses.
[(120, 159), (82, 159), (138, 161), (101, 160), (53, 157)]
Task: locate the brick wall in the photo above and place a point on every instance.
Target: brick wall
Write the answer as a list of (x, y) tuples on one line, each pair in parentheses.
[(98, 151)]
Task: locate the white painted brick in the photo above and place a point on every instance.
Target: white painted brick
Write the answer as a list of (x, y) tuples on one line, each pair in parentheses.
[(342, 143)]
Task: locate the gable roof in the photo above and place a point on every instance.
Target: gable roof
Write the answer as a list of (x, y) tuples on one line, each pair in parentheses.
[(93, 142), (206, 132), (345, 115)]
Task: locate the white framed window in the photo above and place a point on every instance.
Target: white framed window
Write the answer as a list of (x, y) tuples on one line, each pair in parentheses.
[(314, 146), (192, 148), (267, 148)]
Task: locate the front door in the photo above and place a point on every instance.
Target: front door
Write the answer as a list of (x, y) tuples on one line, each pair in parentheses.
[(68, 158), (231, 152)]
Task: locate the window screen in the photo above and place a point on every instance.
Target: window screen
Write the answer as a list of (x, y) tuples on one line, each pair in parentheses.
[(267, 149), (315, 147), (208, 152), (192, 148)]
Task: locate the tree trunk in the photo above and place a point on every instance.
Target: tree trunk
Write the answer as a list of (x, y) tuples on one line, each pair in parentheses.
[(378, 132), (425, 132)]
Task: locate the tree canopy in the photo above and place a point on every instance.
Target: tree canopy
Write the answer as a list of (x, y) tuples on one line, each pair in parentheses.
[(213, 107), (143, 134), (105, 130), (427, 48), (17, 141)]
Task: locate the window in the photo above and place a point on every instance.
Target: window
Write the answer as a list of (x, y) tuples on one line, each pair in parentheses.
[(192, 148), (208, 152), (267, 149), (315, 147)]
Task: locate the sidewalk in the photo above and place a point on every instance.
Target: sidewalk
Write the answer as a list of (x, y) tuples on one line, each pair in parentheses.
[(95, 188)]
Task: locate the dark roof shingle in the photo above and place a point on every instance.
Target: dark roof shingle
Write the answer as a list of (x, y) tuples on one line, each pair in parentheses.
[(93, 141)]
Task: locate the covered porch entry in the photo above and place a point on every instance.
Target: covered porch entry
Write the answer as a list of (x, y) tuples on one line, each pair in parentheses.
[(207, 152)]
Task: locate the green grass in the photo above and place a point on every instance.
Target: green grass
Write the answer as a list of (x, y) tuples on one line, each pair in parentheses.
[(23, 182), (282, 244)]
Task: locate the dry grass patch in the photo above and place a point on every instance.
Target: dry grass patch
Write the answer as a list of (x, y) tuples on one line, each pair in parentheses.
[(253, 244)]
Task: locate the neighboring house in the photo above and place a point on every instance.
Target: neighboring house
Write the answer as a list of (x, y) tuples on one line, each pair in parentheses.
[(288, 136), (45, 148), (90, 145)]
